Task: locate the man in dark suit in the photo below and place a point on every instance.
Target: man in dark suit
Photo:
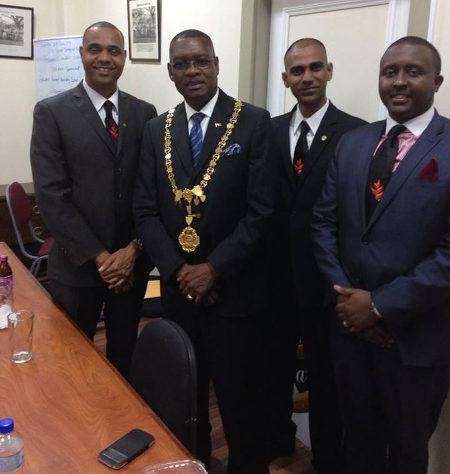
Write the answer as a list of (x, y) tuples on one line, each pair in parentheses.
[(300, 284), (202, 213), (382, 231), (84, 162)]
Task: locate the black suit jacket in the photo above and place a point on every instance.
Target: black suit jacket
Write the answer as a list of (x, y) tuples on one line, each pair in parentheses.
[(83, 186), (234, 218), (296, 200)]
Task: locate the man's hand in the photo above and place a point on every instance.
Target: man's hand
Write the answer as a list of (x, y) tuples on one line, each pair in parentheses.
[(126, 285), (197, 281), (378, 336), (118, 267), (355, 311)]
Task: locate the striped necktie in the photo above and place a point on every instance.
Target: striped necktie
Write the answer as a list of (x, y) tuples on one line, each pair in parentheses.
[(196, 137)]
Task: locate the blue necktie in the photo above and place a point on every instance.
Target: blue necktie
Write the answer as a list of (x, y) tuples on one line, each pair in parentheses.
[(196, 137)]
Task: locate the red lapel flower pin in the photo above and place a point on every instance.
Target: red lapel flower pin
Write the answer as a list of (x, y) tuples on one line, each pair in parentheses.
[(114, 131), (298, 166), (377, 190), (430, 171)]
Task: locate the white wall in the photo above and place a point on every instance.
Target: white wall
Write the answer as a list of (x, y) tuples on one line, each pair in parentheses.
[(221, 20), (355, 72)]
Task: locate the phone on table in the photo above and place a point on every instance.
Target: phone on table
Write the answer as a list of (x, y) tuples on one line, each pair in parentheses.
[(126, 448)]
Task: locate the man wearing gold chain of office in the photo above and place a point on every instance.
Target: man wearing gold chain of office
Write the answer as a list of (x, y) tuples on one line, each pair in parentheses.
[(203, 206)]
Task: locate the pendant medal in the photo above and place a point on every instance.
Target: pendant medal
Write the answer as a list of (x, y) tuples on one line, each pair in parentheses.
[(189, 239)]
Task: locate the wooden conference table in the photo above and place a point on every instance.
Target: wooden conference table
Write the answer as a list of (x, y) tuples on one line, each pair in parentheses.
[(68, 402)]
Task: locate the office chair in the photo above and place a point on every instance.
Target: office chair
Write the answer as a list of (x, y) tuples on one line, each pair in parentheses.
[(164, 372), (21, 213)]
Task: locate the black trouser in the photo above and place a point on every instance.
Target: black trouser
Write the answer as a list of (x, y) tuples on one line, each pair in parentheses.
[(229, 352), (389, 409), (121, 313), (310, 323)]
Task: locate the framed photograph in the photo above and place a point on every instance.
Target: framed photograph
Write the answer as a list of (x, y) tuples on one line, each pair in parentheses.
[(144, 20), (16, 32)]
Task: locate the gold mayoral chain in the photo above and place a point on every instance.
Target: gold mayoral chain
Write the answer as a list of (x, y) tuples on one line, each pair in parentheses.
[(188, 238)]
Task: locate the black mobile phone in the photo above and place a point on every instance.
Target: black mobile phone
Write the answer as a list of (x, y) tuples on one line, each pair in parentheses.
[(126, 448)]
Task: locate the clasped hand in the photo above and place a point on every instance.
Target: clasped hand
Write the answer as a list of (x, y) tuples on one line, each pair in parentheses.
[(116, 269), (197, 282), (354, 310)]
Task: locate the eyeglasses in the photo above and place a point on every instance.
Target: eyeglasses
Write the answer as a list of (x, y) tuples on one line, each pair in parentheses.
[(198, 63)]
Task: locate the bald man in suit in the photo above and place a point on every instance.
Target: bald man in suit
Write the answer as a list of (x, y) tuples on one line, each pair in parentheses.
[(299, 296), (84, 169)]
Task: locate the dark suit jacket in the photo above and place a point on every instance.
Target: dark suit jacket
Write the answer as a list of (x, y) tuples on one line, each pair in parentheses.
[(83, 187), (297, 200), (402, 255), (234, 218)]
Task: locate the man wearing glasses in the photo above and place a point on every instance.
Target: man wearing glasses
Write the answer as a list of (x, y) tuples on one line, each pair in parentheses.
[(202, 207)]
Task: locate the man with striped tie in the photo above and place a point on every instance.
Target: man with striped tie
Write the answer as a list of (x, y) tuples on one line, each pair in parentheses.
[(203, 205)]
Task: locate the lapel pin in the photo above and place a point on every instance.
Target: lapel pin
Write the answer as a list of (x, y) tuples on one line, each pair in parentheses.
[(124, 125), (217, 124), (323, 137)]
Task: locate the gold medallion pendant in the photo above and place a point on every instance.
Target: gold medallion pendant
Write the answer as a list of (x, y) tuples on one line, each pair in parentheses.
[(189, 239)]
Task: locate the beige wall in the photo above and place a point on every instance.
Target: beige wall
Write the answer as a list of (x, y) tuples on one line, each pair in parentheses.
[(148, 81)]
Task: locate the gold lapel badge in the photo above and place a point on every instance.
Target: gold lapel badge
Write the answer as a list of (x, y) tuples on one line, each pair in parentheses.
[(217, 124), (323, 137)]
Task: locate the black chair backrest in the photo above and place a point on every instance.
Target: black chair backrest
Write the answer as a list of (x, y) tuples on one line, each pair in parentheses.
[(164, 372)]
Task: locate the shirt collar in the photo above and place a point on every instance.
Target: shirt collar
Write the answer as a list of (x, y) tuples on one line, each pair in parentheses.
[(313, 121), (98, 100), (416, 125), (207, 109)]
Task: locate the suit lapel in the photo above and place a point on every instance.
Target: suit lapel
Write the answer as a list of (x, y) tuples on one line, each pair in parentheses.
[(221, 114), (84, 105), (413, 158), (366, 153), (285, 147), (124, 111), (180, 140), (326, 129)]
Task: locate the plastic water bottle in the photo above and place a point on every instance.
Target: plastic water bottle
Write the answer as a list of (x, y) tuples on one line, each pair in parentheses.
[(11, 447), (6, 291)]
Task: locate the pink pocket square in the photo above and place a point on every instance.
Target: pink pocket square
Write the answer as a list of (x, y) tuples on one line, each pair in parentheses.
[(430, 171)]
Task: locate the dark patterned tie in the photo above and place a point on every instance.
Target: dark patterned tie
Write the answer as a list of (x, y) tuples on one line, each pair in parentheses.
[(196, 137), (301, 150), (380, 170), (111, 125)]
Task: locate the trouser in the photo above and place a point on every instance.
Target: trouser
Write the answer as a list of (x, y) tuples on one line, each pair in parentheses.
[(121, 313), (229, 352), (390, 410)]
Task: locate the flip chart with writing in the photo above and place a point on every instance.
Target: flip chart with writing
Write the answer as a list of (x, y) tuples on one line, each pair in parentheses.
[(57, 65)]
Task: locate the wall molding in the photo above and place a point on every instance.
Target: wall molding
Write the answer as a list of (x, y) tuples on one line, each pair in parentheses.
[(283, 10)]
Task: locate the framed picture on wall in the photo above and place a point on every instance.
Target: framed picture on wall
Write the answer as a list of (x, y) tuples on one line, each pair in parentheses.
[(16, 32), (144, 30)]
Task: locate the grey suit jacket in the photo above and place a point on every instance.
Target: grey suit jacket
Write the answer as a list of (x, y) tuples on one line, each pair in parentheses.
[(83, 186)]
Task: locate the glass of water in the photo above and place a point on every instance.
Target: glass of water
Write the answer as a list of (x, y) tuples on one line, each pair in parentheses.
[(20, 325)]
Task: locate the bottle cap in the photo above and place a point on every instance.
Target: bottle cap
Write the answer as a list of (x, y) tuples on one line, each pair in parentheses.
[(6, 425), (3, 258)]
